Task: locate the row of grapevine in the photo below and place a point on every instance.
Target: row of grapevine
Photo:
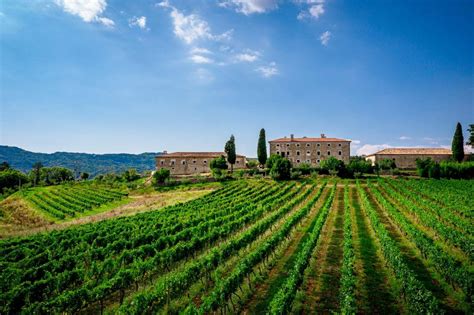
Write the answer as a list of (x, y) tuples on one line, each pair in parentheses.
[(63, 202), (432, 207), (454, 271), (348, 277), (418, 298), (283, 299), (175, 283), (108, 267), (446, 192), (226, 287), (450, 235)]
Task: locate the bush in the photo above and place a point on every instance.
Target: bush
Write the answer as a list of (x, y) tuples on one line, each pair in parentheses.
[(280, 168), (11, 179), (423, 166), (434, 171), (295, 174), (463, 170), (335, 167), (161, 176), (305, 168), (360, 166)]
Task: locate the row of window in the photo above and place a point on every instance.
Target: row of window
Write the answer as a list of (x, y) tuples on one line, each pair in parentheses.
[(308, 145), (308, 153)]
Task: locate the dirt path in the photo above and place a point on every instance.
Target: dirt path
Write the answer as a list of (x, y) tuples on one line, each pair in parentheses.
[(264, 291), (373, 293)]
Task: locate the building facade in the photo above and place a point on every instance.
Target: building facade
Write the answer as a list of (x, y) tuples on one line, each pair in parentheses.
[(189, 163), (405, 158), (311, 150)]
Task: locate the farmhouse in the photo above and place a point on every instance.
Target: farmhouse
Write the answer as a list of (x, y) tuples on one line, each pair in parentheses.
[(311, 150), (405, 158), (188, 163)]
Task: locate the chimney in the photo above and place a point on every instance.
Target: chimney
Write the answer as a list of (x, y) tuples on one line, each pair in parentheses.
[(292, 136), (323, 135), (165, 152)]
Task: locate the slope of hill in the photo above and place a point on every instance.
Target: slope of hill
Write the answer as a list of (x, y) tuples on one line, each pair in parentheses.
[(93, 164)]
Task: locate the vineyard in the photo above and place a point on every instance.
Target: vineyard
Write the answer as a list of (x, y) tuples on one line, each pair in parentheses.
[(62, 202), (254, 247)]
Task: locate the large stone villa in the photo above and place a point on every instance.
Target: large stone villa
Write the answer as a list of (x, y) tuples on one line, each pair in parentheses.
[(405, 158), (188, 163), (311, 150)]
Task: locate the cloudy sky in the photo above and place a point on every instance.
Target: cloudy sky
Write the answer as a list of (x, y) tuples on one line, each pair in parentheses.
[(133, 76)]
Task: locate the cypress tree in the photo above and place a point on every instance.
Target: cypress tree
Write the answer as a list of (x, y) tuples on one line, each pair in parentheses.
[(457, 145), (262, 148), (230, 151)]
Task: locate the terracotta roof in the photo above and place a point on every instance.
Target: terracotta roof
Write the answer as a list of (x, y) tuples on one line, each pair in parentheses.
[(194, 154), (309, 140), (414, 151)]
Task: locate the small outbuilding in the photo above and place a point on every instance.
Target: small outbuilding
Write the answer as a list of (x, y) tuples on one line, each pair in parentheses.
[(405, 158)]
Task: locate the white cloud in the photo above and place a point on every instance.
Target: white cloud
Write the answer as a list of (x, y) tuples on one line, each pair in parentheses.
[(355, 142), (248, 7), (405, 138), (198, 50), (268, 71), (138, 21), (201, 59), (106, 21), (325, 37), (190, 28), (247, 56), (367, 149), (316, 9), (87, 10)]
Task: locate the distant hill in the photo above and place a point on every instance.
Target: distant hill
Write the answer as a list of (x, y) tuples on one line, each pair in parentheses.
[(93, 164)]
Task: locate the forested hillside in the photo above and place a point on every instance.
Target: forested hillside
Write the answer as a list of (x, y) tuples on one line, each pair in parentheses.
[(79, 162)]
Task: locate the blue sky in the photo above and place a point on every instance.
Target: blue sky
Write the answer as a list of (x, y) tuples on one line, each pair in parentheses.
[(134, 76)]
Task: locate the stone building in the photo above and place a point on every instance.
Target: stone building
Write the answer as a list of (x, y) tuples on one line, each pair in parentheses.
[(188, 163), (405, 158), (311, 150)]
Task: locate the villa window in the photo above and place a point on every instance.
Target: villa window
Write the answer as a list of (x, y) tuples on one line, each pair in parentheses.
[(183, 162), (329, 144), (172, 162), (318, 161), (194, 161), (319, 152), (288, 153), (307, 145), (297, 161), (297, 144), (308, 152), (205, 161), (340, 144), (340, 152), (318, 145), (329, 152), (297, 152), (162, 162)]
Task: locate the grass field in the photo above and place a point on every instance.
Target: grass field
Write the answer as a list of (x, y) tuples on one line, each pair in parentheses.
[(256, 247)]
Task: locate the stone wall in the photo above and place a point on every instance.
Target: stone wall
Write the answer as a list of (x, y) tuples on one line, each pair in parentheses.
[(191, 165), (407, 161)]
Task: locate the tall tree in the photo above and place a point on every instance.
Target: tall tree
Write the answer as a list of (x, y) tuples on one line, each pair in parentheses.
[(471, 135), (457, 145), (230, 151), (37, 172), (262, 148)]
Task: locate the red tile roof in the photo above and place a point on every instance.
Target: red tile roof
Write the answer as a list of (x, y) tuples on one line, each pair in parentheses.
[(309, 140), (195, 154), (414, 151)]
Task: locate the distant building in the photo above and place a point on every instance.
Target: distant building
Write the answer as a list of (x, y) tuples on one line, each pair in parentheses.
[(405, 158), (188, 163), (311, 150)]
